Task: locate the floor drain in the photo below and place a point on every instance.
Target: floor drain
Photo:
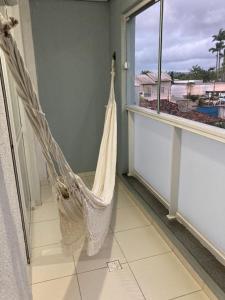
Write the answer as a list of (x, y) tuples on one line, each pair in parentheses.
[(114, 265)]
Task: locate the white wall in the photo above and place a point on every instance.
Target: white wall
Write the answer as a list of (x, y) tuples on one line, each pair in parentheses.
[(29, 138), (152, 153), (153, 88), (200, 194), (13, 266), (71, 41), (28, 46), (202, 186)]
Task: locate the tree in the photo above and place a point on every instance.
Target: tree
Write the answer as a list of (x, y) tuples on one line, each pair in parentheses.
[(217, 50), (219, 47), (195, 73), (222, 55), (220, 37)]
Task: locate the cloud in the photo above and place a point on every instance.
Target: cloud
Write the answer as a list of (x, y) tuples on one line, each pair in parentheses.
[(187, 36)]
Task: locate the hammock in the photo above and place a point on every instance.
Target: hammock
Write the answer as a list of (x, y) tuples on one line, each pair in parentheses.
[(83, 212)]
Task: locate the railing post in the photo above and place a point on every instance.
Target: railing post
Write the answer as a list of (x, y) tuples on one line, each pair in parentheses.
[(131, 143), (175, 173)]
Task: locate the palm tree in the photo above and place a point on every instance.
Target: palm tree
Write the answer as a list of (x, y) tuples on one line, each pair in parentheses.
[(219, 39), (222, 55), (216, 50)]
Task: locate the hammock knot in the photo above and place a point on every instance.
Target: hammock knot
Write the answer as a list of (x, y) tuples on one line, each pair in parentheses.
[(7, 25), (62, 188)]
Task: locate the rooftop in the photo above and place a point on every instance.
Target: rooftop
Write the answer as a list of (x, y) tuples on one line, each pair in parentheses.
[(151, 78), (173, 109)]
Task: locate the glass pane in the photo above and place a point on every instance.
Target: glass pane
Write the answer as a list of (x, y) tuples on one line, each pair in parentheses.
[(146, 56), (194, 57), (25, 182), (15, 104)]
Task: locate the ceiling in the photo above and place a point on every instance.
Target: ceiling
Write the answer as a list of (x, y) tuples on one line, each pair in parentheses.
[(93, 0)]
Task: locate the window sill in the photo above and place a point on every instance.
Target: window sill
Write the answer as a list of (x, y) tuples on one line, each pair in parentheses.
[(205, 130)]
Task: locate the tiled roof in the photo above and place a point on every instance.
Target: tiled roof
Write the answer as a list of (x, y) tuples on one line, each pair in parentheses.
[(172, 109), (151, 78)]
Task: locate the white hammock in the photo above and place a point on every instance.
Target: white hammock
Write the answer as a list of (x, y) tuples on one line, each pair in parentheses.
[(83, 212)]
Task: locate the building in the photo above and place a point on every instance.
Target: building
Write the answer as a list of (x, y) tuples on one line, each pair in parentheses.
[(147, 85), (181, 89), (171, 108)]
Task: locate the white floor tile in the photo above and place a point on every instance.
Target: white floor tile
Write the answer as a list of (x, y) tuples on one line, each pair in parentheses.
[(141, 242), (127, 218), (163, 277), (88, 180), (122, 199), (195, 296), (160, 276), (209, 293), (59, 289), (46, 193), (47, 211), (49, 262), (104, 285), (110, 251), (89, 183), (45, 233)]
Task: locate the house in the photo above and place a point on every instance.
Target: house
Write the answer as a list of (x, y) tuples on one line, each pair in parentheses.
[(181, 89), (146, 84), (173, 109)]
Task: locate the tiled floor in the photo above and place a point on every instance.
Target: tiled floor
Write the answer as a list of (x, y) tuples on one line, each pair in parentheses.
[(145, 268)]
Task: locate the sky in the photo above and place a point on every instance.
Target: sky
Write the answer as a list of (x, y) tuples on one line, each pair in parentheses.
[(187, 35)]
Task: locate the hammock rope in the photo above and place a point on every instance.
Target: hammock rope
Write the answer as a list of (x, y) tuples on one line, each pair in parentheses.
[(83, 212)]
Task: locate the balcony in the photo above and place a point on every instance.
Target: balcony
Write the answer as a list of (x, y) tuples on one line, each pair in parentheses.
[(166, 238), (181, 164)]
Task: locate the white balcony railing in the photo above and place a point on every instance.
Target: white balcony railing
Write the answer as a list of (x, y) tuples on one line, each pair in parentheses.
[(183, 163)]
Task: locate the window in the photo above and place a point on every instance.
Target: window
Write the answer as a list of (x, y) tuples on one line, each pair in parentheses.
[(144, 57), (192, 84), (147, 90)]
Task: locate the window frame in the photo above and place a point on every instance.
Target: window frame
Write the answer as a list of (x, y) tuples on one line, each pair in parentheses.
[(128, 17), (209, 131)]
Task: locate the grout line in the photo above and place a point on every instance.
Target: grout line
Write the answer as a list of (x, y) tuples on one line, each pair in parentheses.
[(131, 261), (74, 263), (45, 245), (32, 249), (40, 282), (137, 282), (78, 283), (46, 201), (187, 294), (126, 261), (185, 263), (131, 270), (151, 256), (52, 244), (48, 220), (131, 228), (139, 209), (92, 270), (115, 207), (170, 251)]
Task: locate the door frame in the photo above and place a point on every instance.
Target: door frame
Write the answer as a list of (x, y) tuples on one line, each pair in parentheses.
[(15, 167)]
